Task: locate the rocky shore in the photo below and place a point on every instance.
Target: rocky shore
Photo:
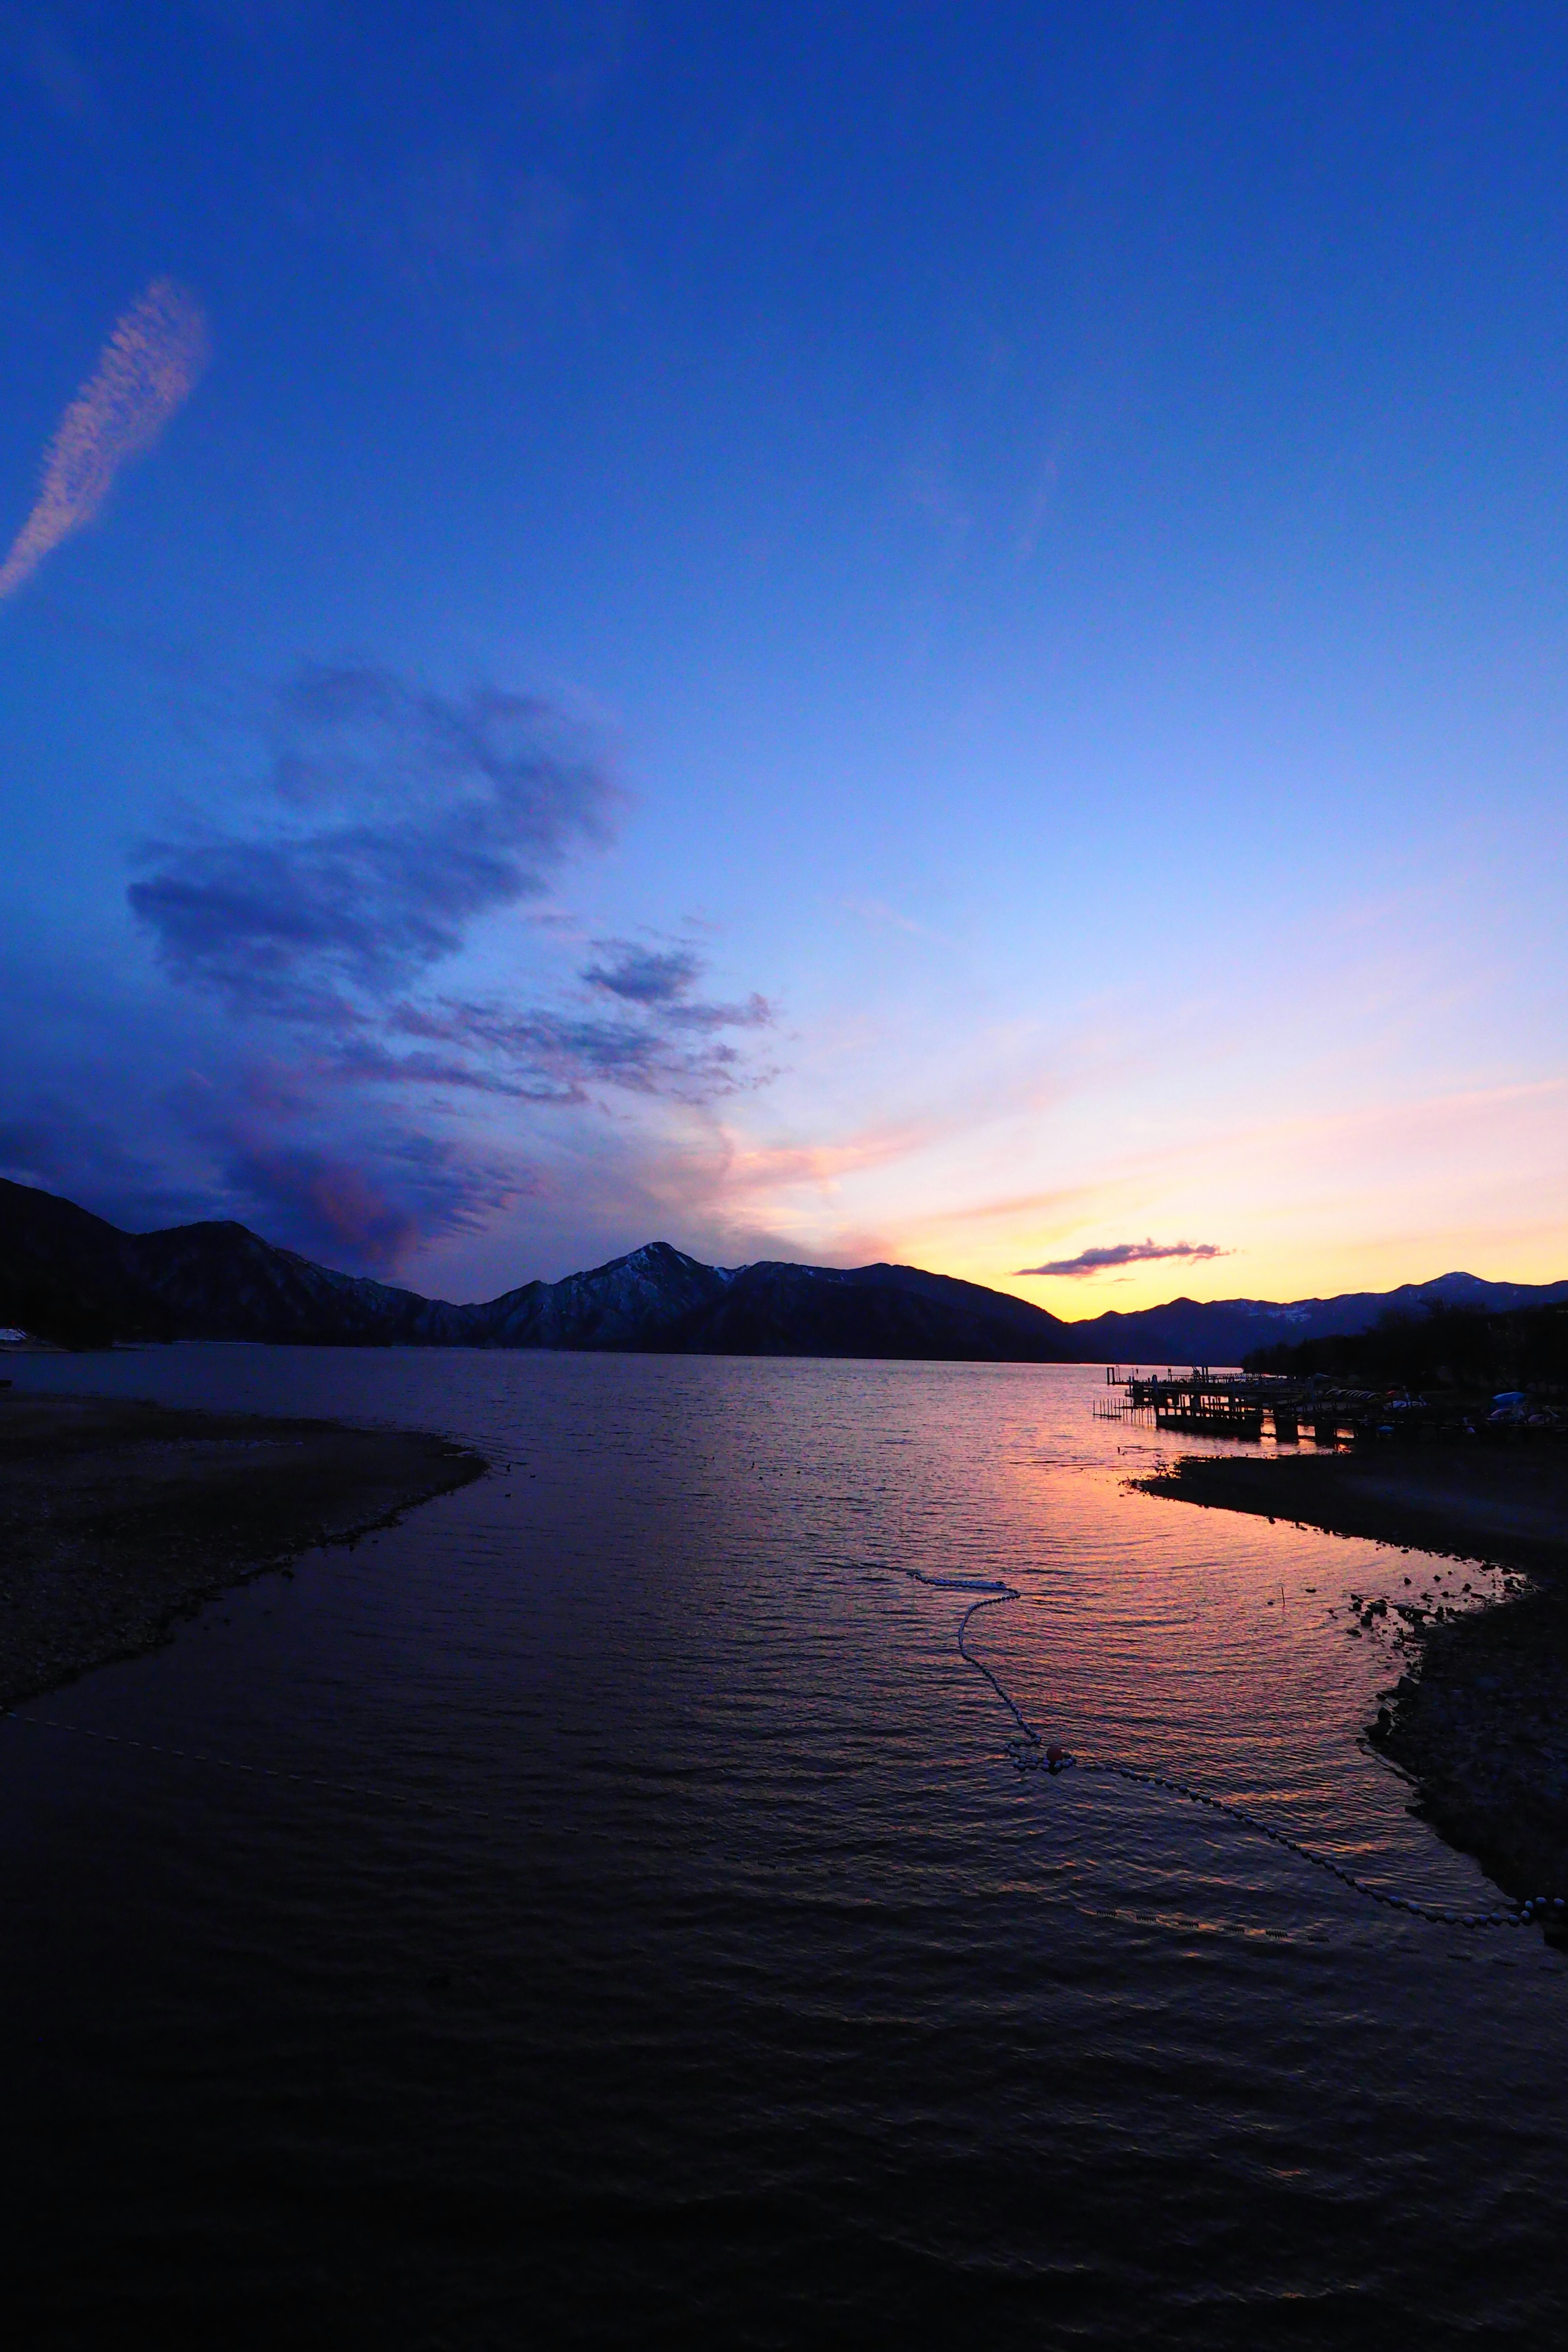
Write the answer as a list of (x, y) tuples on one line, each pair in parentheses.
[(118, 1519), (1479, 1721)]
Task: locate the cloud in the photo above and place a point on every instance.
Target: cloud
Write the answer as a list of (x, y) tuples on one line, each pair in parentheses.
[(397, 817), (148, 368), (393, 820), (321, 1200), (1095, 1260), (660, 981), (666, 1043), (642, 975), (327, 1204), (365, 1095)]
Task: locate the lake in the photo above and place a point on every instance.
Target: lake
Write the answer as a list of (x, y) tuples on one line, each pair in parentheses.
[(658, 1945)]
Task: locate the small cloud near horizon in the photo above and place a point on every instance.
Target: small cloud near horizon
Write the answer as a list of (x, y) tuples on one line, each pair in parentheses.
[(1097, 1261), (147, 370)]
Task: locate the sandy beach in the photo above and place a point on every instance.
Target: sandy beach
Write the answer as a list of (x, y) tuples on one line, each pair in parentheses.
[(1480, 1722), (118, 1519)]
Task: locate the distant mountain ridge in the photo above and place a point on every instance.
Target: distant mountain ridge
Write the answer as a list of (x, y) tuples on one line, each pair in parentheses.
[(1224, 1330), (68, 1275)]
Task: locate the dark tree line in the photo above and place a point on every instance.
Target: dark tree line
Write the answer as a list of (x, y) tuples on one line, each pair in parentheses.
[(1446, 1347)]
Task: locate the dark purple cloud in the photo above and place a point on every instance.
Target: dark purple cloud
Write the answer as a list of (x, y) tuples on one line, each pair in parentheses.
[(327, 1204), (644, 975), (1095, 1260), (397, 818), (554, 1056), (393, 819), (323, 1069), (655, 1036), (660, 981), (324, 1205)]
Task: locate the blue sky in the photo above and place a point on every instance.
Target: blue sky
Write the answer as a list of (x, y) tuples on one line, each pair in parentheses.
[(912, 632)]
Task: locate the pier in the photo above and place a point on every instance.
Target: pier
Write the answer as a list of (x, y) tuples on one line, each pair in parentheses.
[(1201, 1402)]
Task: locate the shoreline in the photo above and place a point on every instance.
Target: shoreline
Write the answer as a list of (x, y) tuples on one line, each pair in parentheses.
[(120, 1518), (1479, 1724)]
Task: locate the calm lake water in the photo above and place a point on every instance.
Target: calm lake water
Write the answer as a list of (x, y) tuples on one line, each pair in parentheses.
[(702, 1970)]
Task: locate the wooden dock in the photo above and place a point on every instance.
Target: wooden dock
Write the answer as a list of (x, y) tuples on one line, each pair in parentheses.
[(1200, 1403)]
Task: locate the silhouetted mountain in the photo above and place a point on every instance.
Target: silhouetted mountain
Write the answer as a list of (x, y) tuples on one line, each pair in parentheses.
[(1224, 1330), (66, 1275), (69, 1275), (1445, 1346), (629, 1304), (778, 1309)]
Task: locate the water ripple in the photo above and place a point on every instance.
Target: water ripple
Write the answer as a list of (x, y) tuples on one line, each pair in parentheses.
[(619, 1919)]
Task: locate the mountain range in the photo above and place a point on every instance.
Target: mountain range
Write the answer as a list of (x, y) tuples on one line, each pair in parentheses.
[(69, 1277)]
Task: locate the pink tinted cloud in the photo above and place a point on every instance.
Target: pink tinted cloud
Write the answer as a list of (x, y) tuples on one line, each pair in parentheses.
[(147, 368), (1114, 1253)]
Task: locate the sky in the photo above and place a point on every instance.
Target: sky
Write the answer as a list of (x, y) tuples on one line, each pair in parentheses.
[(920, 632)]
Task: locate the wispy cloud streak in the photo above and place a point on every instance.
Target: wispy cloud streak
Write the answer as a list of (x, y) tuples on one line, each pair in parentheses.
[(1096, 1261), (148, 368), (543, 1054)]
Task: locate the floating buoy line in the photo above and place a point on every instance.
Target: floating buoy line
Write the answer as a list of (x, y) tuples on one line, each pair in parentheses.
[(1032, 1753)]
